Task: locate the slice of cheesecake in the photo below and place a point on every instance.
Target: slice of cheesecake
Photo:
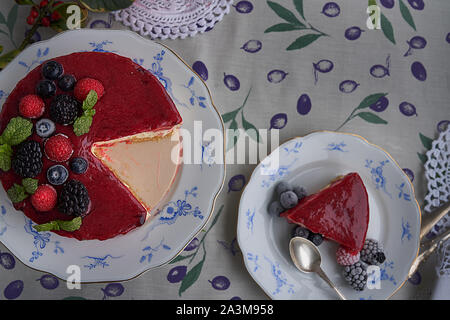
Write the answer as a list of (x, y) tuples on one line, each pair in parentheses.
[(147, 163), (339, 212)]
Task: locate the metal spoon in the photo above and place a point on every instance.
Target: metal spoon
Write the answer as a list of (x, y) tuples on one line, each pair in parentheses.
[(306, 257)]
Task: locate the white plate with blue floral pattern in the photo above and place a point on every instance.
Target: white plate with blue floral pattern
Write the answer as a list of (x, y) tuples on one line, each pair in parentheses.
[(312, 161), (191, 200)]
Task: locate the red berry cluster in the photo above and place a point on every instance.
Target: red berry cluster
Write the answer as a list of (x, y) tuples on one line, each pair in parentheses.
[(49, 15)]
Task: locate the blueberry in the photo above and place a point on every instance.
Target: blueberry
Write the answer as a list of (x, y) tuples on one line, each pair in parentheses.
[(282, 187), (52, 70), (288, 199), (57, 174), (300, 232), (67, 82), (45, 128), (275, 208), (46, 88), (300, 192), (78, 165), (315, 238)]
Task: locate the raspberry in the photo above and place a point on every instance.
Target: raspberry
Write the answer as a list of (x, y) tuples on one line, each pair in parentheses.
[(45, 198), (345, 257), (58, 148), (31, 106), (85, 85)]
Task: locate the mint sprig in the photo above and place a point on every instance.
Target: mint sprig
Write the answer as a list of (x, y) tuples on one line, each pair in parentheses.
[(17, 130), (83, 123), (18, 193), (69, 225)]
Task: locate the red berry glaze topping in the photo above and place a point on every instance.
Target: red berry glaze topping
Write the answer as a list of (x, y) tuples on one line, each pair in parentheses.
[(31, 106), (85, 85), (44, 199), (58, 148)]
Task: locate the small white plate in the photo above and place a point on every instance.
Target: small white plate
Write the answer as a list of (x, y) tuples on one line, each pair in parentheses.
[(312, 161), (191, 201)]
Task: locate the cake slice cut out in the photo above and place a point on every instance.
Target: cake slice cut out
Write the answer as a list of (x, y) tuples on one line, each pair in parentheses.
[(340, 212), (146, 164)]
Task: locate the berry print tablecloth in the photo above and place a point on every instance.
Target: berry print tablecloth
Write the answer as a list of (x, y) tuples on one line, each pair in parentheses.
[(299, 69)]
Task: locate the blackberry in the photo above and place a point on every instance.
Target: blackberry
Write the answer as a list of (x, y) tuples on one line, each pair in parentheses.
[(27, 160), (74, 199), (372, 253), (356, 275), (64, 109)]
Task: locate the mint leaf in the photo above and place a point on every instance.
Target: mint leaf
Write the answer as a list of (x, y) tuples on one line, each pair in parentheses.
[(90, 101), (89, 112), (5, 157), (70, 225), (52, 225), (17, 131), (17, 193), (82, 125), (30, 185)]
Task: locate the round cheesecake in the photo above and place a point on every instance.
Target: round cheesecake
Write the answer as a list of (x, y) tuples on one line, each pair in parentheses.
[(135, 127)]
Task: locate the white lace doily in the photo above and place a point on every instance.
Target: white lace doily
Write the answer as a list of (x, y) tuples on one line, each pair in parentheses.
[(173, 19), (437, 171)]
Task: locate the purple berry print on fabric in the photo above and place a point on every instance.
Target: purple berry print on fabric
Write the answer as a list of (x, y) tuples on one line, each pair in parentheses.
[(112, 290), (192, 245), (13, 290), (278, 121), (236, 183), (331, 9), (407, 109), (48, 281), (416, 42), (177, 274), (276, 76), (7, 260), (418, 70), (200, 68), (380, 105), (417, 4), (389, 4), (447, 38), (348, 86), (380, 71), (322, 66), (443, 125), (236, 298), (304, 104), (243, 7), (409, 173), (220, 283), (231, 82), (252, 46), (353, 33)]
